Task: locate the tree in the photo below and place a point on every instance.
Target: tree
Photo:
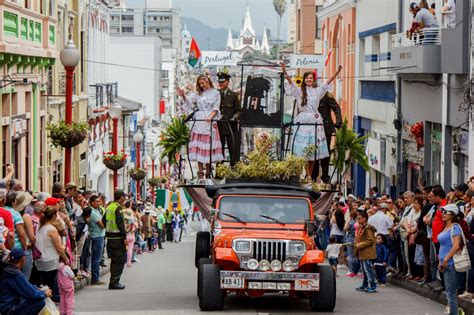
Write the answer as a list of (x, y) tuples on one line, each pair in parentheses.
[(280, 8)]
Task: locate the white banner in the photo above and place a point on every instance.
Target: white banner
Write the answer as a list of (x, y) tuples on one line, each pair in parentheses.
[(218, 58), (307, 61)]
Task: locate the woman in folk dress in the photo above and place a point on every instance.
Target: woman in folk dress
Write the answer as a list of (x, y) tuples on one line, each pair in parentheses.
[(207, 100), (307, 98)]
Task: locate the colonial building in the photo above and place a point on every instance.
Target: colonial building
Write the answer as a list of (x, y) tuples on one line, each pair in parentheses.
[(247, 43), (28, 48)]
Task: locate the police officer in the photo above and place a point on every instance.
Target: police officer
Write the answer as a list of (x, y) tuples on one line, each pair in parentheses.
[(115, 233), (327, 104), (230, 109)]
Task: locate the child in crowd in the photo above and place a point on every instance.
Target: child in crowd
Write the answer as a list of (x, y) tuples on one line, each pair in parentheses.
[(131, 226), (381, 260), (65, 280), (332, 251)]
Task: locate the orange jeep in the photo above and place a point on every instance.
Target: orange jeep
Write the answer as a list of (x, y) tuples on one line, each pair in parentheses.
[(261, 241)]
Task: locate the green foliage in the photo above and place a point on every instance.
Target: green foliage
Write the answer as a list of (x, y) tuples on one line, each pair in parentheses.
[(61, 133), (279, 6), (175, 135), (259, 164), (348, 140)]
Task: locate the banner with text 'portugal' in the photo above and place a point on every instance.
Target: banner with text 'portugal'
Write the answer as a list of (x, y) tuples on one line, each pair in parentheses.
[(194, 53)]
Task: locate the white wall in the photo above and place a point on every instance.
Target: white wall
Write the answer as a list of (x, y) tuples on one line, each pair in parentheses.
[(141, 85)]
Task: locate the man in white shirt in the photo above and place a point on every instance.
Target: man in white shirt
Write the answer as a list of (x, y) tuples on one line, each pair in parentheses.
[(380, 221)]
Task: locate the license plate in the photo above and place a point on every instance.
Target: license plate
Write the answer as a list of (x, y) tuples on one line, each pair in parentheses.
[(307, 285), (232, 283)]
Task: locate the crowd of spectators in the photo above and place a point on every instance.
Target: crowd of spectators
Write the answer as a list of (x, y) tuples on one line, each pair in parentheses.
[(49, 241), (413, 238)]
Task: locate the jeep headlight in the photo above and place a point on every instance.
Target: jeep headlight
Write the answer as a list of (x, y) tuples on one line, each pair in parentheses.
[(241, 246), (296, 249)]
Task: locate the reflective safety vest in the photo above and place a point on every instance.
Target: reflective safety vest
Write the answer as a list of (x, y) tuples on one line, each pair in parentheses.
[(110, 219)]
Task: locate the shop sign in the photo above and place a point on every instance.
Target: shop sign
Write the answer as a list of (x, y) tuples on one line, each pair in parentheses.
[(307, 61), (218, 58), (374, 154)]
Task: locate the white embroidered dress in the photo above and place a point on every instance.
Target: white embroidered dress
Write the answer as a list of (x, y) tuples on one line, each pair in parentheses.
[(306, 135), (200, 144)]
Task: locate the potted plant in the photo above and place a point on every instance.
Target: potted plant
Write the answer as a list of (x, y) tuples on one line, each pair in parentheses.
[(114, 161), (137, 174), (349, 149), (67, 136), (175, 139), (154, 181)]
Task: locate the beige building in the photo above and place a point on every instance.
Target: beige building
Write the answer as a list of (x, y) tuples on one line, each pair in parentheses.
[(28, 49), (69, 12)]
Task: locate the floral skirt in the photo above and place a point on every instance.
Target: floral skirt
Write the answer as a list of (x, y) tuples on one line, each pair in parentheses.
[(200, 147), (306, 135)]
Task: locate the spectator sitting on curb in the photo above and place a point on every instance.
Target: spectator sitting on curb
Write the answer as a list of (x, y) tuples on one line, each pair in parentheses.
[(17, 295)]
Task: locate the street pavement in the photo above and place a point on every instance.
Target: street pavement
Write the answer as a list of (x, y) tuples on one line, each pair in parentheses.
[(164, 282)]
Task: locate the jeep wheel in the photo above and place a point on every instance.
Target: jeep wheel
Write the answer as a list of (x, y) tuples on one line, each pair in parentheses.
[(211, 297), (324, 300), (202, 261), (203, 246)]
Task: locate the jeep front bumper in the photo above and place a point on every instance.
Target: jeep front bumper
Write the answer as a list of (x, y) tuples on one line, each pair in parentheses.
[(276, 281)]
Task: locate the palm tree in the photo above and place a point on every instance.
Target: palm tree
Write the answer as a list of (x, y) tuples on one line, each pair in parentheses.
[(349, 149), (280, 8)]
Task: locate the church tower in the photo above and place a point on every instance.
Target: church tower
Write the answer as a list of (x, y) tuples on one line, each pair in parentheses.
[(247, 34)]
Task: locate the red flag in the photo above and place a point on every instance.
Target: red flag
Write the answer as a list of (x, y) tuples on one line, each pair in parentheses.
[(194, 53), (328, 57)]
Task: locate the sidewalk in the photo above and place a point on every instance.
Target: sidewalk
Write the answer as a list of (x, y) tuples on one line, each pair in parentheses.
[(78, 285), (425, 291)]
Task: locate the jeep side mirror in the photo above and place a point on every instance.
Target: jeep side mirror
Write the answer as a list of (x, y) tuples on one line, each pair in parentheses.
[(213, 212), (310, 228)]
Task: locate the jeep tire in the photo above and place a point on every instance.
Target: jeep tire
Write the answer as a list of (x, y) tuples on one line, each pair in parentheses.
[(203, 246), (324, 300), (211, 296), (202, 261)]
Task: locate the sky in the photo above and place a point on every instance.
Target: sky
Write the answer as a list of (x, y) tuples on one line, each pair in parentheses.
[(221, 13)]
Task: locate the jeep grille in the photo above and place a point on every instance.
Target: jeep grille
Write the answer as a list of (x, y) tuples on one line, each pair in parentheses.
[(269, 250)]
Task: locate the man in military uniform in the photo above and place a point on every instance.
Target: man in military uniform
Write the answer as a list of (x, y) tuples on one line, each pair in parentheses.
[(230, 110), (115, 233), (327, 104)]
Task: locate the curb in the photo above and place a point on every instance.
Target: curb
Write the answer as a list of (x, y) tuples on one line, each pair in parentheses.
[(87, 281), (439, 297)]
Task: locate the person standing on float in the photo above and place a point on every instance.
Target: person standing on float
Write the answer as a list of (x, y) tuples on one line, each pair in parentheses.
[(308, 98)]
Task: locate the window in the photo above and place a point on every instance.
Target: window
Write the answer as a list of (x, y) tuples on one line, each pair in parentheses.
[(164, 74), (127, 17), (319, 23), (127, 29), (157, 30)]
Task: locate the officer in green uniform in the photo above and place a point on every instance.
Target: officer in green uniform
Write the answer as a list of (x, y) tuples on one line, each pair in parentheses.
[(230, 110), (115, 233)]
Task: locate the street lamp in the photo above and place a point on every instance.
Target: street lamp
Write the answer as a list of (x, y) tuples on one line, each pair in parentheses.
[(138, 139), (115, 111), (69, 57)]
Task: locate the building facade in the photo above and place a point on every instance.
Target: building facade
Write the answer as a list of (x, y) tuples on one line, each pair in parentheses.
[(28, 48), (375, 94), (308, 27)]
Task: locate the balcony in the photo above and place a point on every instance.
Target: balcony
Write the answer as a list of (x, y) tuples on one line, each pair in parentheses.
[(434, 50), (26, 37)]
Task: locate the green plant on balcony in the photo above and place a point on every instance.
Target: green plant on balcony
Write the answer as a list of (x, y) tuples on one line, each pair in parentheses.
[(137, 174), (67, 136), (154, 181)]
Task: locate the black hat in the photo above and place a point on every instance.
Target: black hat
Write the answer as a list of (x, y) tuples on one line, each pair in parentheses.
[(119, 194), (463, 187), (222, 76)]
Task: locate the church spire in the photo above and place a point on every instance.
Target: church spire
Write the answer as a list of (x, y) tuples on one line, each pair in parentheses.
[(265, 45), (247, 27), (230, 40)]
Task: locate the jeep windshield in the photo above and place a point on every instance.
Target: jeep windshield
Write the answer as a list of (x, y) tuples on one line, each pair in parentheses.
[(264, 209)]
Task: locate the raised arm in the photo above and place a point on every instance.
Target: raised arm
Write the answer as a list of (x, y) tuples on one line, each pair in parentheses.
[(331, 78), (287, 77)]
